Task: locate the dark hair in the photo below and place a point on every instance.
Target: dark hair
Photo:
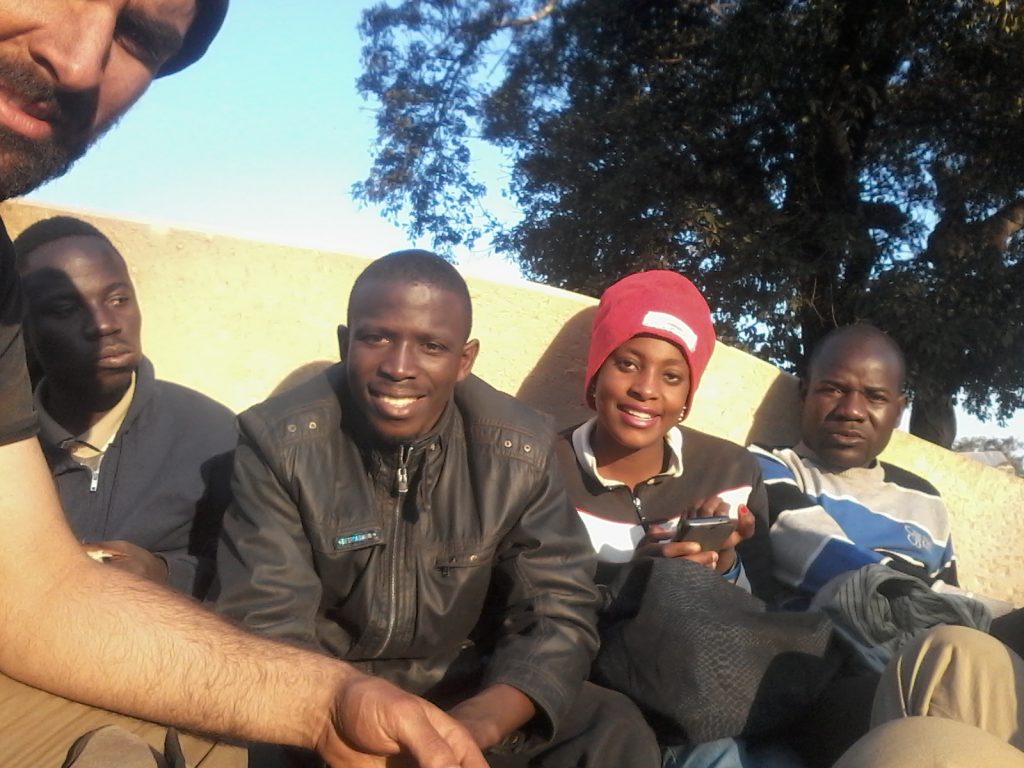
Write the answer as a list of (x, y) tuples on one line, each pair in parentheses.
[(857, 330), (204, 27), (415, 266), (48, 230)]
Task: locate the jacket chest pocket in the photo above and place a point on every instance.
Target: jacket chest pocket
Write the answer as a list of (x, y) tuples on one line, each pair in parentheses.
[(455, 563), (341, 556), (458, 577)]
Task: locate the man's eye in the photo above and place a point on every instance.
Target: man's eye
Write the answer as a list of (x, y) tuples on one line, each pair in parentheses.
[(142, 43), (878, 397), (625, 365), (373, 339), (434, 347), (138, 49), (60, 310), (120, 300), (673, 378)]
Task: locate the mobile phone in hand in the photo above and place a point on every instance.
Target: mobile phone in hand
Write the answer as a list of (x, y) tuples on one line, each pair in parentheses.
[(661, 530), (710, 532)]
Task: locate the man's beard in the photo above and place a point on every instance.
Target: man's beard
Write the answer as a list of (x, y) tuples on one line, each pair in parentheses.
[(26, 163)]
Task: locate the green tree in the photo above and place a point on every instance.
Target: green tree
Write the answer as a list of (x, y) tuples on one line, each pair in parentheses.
[(809, 163)]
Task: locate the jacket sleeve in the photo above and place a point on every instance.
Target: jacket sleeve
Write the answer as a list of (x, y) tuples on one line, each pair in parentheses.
[(266, 578), (547, 602), (756, 552)]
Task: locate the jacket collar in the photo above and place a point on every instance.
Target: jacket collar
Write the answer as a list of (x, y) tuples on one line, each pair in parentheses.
[(52, 434), (411, 467), (584, 451), (355, 426), (96, 438)]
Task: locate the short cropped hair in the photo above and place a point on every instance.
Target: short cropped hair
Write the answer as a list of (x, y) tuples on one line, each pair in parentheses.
[(415, 266), (48, 230), (858, 330)]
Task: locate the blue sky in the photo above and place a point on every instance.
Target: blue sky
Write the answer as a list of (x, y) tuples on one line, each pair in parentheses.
[(263, 138)]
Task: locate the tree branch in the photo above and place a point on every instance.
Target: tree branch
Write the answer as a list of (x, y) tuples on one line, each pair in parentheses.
[(533, 18), (998, 228)]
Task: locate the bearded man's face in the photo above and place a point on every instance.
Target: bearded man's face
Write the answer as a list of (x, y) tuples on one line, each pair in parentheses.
[(68, 71), (41, 133)]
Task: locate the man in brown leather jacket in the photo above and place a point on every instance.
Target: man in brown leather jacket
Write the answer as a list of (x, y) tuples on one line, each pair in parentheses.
[(403, 515)]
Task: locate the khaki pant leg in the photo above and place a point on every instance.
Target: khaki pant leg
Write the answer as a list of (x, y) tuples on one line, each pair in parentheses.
[(958, 674), (930, 742)]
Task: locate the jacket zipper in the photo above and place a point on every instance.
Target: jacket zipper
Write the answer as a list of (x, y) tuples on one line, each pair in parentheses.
[(403, 470), (94, 476), (402, 486), (639, 507)]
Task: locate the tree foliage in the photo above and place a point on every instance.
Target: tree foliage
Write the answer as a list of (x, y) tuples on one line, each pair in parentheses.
[(809, 163)]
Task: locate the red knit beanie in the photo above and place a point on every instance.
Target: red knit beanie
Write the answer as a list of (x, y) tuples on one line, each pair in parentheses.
[(658, 303)]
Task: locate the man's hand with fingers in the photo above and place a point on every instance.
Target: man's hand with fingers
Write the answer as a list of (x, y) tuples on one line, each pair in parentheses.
[(374, 723)]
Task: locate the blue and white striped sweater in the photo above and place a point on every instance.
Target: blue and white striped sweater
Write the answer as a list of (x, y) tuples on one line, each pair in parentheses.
[(825, 523)]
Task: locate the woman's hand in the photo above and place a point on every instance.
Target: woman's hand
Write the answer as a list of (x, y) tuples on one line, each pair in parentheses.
[(656, 544), (659, 542), (688, 550), (744, 528)]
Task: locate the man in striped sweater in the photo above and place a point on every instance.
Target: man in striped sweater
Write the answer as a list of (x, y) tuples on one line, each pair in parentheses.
[(833, 506)]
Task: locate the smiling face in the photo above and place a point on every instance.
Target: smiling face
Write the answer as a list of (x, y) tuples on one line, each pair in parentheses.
[(853, 399), (406, 349), (639, 395), (69, 70), (83, 322)]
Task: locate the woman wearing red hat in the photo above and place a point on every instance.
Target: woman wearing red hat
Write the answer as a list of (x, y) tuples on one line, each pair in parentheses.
[(633, 471)]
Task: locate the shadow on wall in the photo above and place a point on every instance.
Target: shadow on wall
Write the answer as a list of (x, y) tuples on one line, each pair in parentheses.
[(776, 420), (307, 371), (301, 375), (555, 383), (555, 386)]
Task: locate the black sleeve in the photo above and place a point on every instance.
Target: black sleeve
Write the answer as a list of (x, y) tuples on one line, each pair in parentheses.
[(17, 417), (756, 552), (266, 574)]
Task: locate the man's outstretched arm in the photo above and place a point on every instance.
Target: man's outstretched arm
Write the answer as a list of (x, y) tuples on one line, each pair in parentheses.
[(97, 635)]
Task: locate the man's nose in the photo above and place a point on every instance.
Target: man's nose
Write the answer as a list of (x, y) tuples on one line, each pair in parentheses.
[(104, 321), (399, 362), (851, 405), (74, 45)]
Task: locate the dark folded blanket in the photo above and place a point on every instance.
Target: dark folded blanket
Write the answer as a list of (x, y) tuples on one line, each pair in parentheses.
[(705, 660)]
